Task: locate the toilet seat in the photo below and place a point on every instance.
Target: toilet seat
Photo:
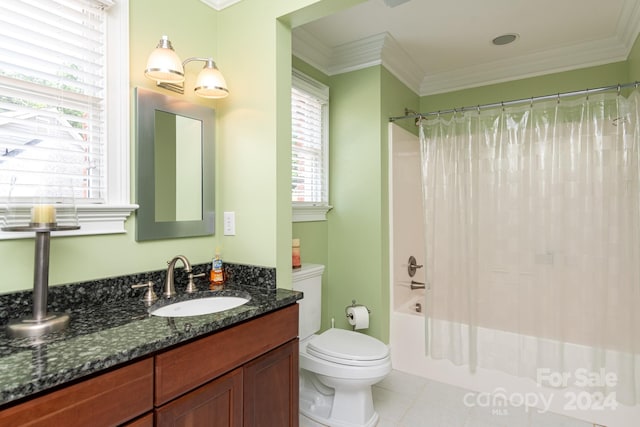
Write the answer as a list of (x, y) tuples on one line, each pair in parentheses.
[(348, 348)]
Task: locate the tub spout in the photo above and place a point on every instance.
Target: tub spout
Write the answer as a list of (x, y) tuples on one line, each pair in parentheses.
[(417, 285)]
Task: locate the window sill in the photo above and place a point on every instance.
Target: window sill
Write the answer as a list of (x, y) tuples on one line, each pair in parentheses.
[(307, 213), (93, 219)]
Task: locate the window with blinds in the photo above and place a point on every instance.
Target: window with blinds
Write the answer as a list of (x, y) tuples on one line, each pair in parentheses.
[(309, 116), (52, 96)]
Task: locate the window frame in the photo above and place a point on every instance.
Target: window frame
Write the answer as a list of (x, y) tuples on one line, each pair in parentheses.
[(314, 211), (109, 217)]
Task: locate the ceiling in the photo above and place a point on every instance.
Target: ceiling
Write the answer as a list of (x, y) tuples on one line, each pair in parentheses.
[(436, 46)]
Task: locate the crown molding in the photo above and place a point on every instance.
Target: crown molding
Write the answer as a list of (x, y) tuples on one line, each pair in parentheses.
[(357, 55), (310, 50), (220, 4), (629, 24), (375, 50), (401, 65), (383, 49), (552, 61)]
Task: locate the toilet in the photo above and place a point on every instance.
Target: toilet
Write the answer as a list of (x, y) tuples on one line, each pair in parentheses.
[(337, 367)]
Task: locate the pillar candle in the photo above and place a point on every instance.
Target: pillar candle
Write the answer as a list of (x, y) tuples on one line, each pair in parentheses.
[(43, 214)]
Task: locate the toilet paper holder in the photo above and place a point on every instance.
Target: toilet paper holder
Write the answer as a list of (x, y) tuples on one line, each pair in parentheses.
[(353, 304)]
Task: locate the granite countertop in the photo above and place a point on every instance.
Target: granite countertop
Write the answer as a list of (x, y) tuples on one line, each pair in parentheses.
[(103, 335)]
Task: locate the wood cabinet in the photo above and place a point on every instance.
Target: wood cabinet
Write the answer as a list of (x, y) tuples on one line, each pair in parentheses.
[(270, 388), (107, 399), (215, 404), (246, 375)]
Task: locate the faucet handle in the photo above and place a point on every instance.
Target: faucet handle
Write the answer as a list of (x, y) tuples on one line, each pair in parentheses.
[(191, 287), (149, 296)]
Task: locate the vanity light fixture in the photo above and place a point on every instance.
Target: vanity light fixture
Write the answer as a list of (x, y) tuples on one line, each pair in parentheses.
[(164, 66)]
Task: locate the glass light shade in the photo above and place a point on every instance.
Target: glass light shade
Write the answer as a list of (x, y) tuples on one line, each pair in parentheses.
[(163, 64), (210, 82)]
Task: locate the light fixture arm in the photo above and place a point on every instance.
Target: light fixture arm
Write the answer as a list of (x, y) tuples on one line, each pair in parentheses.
[(179, 87)]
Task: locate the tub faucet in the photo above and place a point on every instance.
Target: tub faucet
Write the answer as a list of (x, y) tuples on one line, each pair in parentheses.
[(169, 288), (417, 285)]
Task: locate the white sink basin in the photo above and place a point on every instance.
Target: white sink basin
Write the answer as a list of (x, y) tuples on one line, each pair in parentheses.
[(196, 307)]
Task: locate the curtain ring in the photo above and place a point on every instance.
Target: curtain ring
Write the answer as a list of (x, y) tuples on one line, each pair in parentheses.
[(502, 103), (478, 109), (618, 89), (587, 92), (531, 103), (558, 98)]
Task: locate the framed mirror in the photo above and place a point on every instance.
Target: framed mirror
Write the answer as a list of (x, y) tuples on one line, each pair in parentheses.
[(174, 167)]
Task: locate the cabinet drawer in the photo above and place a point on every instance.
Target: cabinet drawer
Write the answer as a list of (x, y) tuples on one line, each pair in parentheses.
[(191, 365), (108, 399)]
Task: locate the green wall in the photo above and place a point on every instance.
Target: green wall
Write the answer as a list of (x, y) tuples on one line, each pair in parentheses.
[(634, 62), (355, 223), (75, 259), (356, 235), (250, 42)]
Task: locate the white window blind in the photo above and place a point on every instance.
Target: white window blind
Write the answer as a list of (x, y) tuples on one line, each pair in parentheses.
[(52, 96), (309, 168)]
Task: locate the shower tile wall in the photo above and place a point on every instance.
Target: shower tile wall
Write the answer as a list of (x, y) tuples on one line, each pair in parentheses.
[(408, 224)]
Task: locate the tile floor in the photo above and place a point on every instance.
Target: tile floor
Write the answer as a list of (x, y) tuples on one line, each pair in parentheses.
[(404, 400)]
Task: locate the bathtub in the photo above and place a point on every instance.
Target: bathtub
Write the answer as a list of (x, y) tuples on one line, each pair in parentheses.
[(407, 344), (407, 329)]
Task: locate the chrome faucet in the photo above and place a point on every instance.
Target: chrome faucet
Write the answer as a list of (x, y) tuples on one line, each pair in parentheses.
[(169, 288)]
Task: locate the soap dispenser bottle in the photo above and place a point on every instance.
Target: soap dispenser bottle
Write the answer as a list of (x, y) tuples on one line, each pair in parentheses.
[(216, 277)]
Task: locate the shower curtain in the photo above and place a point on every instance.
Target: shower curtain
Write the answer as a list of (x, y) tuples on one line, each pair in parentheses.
[(533, 241)]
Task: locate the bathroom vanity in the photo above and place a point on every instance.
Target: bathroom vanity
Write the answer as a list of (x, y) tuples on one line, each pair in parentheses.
[(232, 368)]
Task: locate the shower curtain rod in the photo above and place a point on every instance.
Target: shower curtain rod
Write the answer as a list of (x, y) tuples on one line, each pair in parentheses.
[(531, 100)]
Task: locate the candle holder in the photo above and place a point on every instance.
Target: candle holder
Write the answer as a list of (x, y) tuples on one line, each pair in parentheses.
[(42, 215)]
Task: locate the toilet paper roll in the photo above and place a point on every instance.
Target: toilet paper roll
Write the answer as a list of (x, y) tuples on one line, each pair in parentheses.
[(358, 316)]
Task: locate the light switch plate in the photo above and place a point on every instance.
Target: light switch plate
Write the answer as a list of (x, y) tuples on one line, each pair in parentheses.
[(229, 224)]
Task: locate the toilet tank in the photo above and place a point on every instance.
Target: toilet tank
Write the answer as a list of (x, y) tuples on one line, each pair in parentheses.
[(308, 279)]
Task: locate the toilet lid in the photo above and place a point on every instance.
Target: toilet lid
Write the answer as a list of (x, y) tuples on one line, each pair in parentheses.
[(348, 348)]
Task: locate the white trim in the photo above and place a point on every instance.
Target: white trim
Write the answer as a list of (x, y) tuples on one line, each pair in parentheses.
[(381, 49), (118, 94), (93, 219), (308, 84), (400, 64), (357, 55), (307, 213), (220, 4), (553, 61), (310, 49)]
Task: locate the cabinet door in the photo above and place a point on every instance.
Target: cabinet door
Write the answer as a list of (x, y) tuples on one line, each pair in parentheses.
[(215, 404), (143, 421), (271, 388)]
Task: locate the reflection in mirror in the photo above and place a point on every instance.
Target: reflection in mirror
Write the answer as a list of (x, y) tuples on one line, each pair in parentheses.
[(178, 171), (174, 157)]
